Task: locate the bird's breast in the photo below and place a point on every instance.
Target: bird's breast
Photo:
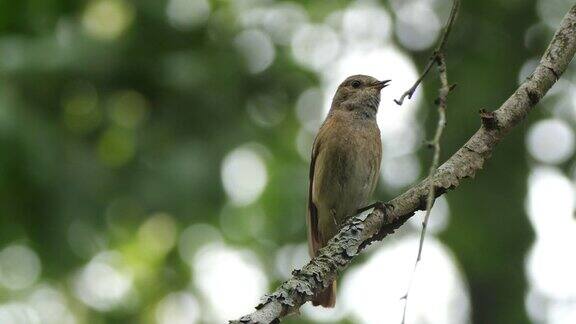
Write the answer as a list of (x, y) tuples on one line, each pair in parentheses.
[(346, 167)]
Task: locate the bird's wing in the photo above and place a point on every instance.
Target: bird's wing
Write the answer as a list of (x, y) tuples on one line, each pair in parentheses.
[(312, 217), (377, 149), (314, 234)]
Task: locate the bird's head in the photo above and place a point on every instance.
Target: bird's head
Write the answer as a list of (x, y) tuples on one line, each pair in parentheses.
[(359, 93)]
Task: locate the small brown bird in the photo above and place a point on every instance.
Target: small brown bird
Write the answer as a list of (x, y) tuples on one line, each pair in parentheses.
[(345, 164)]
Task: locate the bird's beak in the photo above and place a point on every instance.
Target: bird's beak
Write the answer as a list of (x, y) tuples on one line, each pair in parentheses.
[(382, 84)]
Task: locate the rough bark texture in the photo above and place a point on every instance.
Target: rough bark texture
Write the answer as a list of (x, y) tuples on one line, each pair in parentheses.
[(361, 230)]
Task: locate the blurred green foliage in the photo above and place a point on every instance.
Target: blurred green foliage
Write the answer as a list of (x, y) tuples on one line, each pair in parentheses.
[(114, 123)]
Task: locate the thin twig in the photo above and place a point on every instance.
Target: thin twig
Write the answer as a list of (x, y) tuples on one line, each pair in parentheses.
[(439, 49), (442, 101), (437, 57)]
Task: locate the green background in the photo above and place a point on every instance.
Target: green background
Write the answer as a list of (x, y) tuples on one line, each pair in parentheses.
[(103, 130)]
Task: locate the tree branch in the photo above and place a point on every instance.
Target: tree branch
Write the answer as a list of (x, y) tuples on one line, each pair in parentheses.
[(439, 49), (361, 230)]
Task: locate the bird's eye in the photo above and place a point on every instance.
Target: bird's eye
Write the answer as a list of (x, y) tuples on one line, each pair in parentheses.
[(355, 84)]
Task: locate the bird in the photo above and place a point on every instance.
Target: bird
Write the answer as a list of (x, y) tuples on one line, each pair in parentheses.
[(345, 165)]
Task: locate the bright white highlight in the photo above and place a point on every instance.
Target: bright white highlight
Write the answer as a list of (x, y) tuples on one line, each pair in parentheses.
[(231, 280), (244, 176), (401, 171), (365, 25), (549, 265), (551, 141), (102, 284), (315, 46), (439, 217), (291, 257), (550, 203), (413, 30), (551, 269), (18, 313), (372, 291)]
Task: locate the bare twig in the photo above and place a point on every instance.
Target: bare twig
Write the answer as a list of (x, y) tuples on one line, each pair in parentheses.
[(439, 49), (361, 230), (442, 102)]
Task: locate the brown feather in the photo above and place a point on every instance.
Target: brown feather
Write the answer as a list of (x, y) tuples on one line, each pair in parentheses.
[(312, 219)]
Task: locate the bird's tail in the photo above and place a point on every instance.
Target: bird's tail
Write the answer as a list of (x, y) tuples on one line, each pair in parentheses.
[(327, 298)]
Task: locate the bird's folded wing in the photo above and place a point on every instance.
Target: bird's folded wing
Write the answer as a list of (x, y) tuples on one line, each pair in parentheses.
[(312, 217)]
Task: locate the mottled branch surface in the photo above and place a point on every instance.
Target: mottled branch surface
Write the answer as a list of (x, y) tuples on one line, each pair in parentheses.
[(361, 230)]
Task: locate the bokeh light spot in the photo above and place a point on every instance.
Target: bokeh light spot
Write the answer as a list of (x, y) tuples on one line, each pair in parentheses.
[(187, 14), (551, 141), (290, 257), (551, 12), (550, 202), (81, 112), (314, 46), (413, 31), (242, 224), (550, 271), (439, 217), (266, 110), (18, 313), (244, 175), (372, 291), (309, 109), (257, 49), (231, 280), (325, 315), (194, 237), (158, 234), (116, 147), (365, 24), (107, 19), (304, 142), (102, 284), (400, 172), (51, 306), (128, 108), (20, 267), (527, 68), (282, 20), (178, 308)]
